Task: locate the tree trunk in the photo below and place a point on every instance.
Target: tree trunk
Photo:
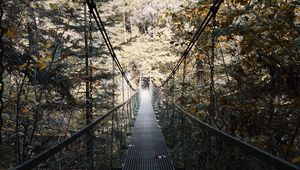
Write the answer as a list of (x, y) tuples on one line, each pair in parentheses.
[(89, 119)]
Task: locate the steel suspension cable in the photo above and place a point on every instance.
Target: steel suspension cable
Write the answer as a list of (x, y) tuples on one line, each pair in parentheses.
[(212, 69), (88, 84), (87, 68), (213, 10), (94, 11), (91, 64), (112, 117)]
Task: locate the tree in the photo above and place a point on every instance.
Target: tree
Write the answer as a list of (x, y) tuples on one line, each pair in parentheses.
[(255, 67)]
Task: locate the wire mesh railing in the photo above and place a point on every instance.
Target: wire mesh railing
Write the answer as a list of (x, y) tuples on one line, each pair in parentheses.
[(193, 144), (100, 145)]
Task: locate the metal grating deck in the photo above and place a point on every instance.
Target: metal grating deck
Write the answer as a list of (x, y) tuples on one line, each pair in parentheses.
[(147, 149)]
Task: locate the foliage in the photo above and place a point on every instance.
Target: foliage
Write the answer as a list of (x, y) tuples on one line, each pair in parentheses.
[(44, 78), (256, 71), (254, 93)]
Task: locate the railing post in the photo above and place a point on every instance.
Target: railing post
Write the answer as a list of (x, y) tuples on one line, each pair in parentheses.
[(123, 90), (128, 115)]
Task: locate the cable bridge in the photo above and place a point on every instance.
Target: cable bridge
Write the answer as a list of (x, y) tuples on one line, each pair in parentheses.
[(150, 131), (139, 135)]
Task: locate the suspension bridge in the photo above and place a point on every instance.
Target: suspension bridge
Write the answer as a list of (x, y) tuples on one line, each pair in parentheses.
[(137, 134), (151, 132)]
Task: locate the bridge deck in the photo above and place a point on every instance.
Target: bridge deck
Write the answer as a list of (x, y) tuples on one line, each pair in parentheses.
[(147, 149)]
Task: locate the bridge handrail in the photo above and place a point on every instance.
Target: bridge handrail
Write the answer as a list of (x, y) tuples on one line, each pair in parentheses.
[(258, 153), (43, 156)]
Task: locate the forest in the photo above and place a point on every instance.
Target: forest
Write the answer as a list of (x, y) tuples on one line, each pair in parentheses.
[(241, 76)]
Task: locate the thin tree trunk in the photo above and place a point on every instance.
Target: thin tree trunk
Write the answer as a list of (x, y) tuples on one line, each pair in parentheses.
[(89, 135), (17, 123), (1, 71)]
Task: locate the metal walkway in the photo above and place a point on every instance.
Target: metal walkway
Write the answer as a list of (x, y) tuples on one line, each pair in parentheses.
[(147, 149)]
